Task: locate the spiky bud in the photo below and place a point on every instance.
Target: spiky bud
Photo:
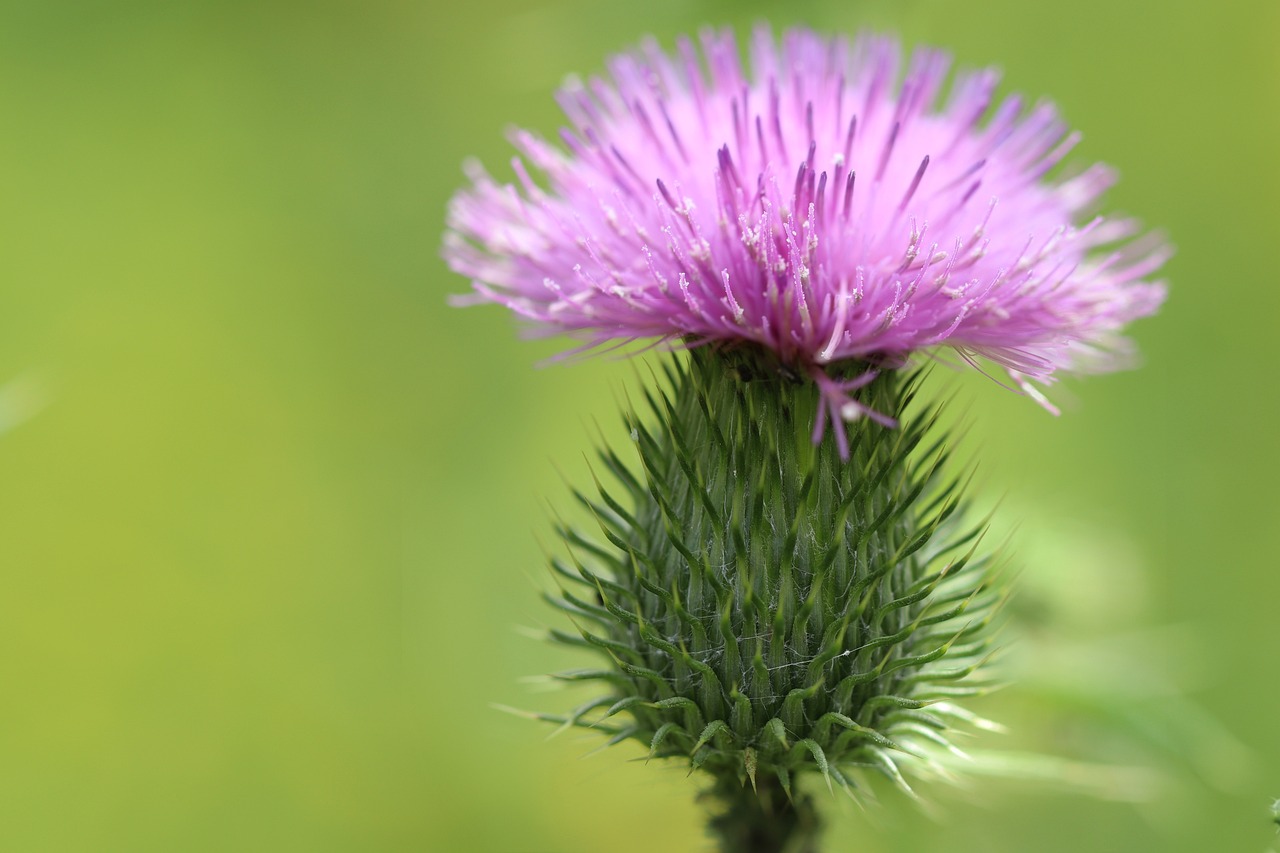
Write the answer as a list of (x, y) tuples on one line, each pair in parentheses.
[(765, 609)]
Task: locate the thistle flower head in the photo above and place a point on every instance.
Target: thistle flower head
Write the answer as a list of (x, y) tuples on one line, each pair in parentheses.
[(768, 605), (824, 204)]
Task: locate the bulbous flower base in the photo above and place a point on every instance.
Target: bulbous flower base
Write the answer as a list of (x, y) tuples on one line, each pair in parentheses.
[(768, 607)]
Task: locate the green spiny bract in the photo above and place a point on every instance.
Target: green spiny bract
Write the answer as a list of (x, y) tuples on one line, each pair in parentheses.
[(763, 607)]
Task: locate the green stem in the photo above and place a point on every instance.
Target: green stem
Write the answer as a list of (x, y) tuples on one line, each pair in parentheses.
[(763, 820)]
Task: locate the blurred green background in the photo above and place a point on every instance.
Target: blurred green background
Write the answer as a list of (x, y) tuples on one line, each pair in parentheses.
[(270, 512)]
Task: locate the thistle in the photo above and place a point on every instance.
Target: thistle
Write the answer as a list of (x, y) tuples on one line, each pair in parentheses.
[(781, 584)]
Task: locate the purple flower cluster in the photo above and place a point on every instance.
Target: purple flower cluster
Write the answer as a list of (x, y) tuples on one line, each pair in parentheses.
[(826, 205)]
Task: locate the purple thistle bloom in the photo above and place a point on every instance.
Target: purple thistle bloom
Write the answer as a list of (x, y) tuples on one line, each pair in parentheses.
[(817, 206)]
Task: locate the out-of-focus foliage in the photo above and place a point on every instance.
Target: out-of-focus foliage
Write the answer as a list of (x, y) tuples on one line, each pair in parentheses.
[(270, 512)]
